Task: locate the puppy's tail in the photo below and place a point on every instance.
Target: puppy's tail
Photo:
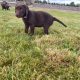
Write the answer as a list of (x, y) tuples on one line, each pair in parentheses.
[(55, 19)]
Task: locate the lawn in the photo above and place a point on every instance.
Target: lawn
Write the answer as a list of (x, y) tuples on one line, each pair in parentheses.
[(40, 57)]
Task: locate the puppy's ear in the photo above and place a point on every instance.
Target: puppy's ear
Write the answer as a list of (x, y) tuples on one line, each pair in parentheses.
[(26, 10)]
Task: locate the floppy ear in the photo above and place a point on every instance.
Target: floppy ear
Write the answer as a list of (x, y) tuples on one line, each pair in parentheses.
[(26, 10)]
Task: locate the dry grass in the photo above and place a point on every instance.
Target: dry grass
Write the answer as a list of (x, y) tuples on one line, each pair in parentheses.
[(40, 57)]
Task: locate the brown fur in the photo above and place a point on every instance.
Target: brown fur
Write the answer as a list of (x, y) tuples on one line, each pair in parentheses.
[(34, 19), (5, 5)]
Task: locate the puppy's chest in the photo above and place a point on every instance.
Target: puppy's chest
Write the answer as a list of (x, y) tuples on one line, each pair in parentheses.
[(28, 21), (33, 20)]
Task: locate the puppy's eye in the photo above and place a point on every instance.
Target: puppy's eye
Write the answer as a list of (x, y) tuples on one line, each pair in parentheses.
[(20, 8)]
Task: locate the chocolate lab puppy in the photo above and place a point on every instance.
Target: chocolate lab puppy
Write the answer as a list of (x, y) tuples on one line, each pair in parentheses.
[(5, 5), (34, 19)]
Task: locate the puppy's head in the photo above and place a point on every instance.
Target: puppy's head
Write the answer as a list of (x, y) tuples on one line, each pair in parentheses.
[(21, 10)]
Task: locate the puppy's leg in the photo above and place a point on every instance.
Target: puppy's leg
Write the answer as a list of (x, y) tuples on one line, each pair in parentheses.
[(26, 28), (31, 30), (8, 9), (46, 30)]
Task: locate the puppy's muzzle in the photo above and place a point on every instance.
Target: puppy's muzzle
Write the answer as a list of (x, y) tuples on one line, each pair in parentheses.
[(17, 15)]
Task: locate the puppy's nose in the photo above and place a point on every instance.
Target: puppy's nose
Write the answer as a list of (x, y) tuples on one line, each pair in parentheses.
[(17, 15)]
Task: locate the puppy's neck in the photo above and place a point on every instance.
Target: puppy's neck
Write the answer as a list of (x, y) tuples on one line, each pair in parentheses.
[(27, 16)]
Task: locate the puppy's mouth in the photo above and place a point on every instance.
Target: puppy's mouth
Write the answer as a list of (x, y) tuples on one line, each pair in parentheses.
[(18, 16)]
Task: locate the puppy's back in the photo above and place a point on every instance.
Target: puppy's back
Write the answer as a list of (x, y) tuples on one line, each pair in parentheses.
[(42, 18)]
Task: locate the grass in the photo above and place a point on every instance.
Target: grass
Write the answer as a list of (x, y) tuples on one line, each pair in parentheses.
[(40, 57)]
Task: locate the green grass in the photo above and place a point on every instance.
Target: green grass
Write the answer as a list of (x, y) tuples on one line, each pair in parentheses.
[(40, 57)]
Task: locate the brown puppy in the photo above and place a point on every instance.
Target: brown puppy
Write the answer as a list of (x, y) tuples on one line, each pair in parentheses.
[(5, 5), (34, 19)]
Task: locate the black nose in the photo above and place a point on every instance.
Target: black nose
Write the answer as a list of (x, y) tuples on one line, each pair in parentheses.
[(17, 15)]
